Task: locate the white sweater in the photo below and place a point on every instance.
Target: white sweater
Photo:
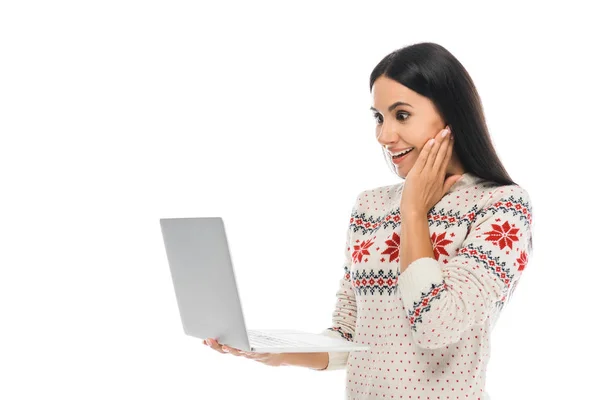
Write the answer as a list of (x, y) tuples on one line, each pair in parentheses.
[(429, 327)]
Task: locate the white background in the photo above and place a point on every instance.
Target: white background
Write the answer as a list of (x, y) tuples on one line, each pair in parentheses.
[(114, 114)]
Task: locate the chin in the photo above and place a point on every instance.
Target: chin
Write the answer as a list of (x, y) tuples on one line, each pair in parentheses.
[(400, 171), (401, 174)]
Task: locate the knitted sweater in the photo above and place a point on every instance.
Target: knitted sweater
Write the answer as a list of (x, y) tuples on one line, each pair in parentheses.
[(429, 326)]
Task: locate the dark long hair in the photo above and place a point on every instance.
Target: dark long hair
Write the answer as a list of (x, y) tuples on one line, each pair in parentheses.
[(432, 71)]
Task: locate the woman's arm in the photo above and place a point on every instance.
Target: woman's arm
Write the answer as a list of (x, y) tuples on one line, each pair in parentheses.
[(415, 242), (443, 300), (345, 310), (317, 361)]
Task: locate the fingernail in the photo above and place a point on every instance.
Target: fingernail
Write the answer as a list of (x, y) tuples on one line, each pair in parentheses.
[(225, 349), (445, 132), (431, 142)]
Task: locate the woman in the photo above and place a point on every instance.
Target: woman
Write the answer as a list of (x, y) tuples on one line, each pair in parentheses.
[(431, 261)]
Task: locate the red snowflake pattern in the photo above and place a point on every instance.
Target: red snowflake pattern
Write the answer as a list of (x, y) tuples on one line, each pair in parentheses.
[(503, 235), (361, 250), (393, 247), (522, 260), (439, 242)]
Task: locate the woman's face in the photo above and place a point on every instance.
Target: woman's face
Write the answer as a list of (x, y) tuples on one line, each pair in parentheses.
[(402, 126)]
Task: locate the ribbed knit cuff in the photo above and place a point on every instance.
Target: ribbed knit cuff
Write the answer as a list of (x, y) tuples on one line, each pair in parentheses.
[(337, 359), (417, 279)]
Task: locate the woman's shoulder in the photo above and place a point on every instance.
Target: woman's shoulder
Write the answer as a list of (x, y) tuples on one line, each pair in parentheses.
[(379, 195), (510, 193), (493, 191), (510, 200)]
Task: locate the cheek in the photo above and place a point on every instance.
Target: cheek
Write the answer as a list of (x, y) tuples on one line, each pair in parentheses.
[(417, 153), (419, 136)]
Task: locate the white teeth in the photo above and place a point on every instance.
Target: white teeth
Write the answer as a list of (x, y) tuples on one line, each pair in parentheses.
[(401, 152)]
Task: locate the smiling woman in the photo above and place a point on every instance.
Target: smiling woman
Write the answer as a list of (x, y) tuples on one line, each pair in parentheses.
[(431, 261), (419, 89)]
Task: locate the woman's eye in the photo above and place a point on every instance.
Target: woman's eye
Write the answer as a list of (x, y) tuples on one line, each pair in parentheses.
[(402, 116)]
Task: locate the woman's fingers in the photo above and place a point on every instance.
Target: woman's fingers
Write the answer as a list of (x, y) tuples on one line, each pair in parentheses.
[(423, 156), (442, 156), (248, 354), (213, 344), (437, 150), (232, 351)]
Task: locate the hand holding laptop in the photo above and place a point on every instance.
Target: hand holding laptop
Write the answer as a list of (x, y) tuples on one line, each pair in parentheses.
[(209, 302), (271, 359)]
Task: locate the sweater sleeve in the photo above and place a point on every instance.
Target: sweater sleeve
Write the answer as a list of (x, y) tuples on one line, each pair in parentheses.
[(443, 300), (344, 314)]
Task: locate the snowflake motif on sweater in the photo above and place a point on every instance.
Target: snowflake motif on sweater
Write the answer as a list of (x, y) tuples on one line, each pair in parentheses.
[(429, 326)]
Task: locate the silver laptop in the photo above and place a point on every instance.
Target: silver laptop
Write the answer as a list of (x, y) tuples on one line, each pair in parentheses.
[(207, 296)]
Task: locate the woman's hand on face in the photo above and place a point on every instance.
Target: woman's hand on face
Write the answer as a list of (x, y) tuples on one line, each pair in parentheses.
[(426, 182), (271, 359)]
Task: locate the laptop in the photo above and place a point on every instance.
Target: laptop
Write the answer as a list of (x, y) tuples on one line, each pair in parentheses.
[(207, 296)]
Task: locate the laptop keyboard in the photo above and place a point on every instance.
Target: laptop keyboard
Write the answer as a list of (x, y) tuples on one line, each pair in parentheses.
[(258, 338)]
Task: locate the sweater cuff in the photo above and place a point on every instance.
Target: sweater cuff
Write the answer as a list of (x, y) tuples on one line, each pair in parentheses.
[(418, 278), (337, 359)]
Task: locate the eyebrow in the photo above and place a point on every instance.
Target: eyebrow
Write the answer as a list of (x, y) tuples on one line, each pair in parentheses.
[(396, 104)]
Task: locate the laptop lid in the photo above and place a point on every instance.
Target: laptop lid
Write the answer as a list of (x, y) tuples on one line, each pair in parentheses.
[(204, 280)]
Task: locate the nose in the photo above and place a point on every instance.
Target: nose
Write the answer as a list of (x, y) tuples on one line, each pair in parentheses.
[(386, 135)]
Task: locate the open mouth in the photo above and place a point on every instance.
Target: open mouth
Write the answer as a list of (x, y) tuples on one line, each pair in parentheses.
[(403, 154)]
